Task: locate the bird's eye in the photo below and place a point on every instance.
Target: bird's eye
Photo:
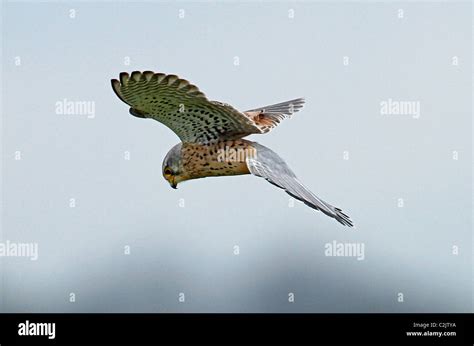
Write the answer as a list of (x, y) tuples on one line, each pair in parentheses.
[(168, 171)]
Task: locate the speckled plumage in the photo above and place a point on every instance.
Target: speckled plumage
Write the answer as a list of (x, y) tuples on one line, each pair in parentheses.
[(211, 134)]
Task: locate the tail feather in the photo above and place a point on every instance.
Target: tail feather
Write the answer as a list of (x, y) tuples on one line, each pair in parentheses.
[(268, 117)]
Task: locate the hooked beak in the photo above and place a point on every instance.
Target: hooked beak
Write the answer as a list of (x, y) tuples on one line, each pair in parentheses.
[(173, 183)]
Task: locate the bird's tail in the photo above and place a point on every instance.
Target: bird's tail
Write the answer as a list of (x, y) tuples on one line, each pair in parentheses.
[(268, 117)]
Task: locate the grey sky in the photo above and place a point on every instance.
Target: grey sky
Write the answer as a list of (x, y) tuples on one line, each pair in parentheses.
[(190, 249)]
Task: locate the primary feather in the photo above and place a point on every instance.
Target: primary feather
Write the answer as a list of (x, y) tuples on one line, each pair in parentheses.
[(267, 164)]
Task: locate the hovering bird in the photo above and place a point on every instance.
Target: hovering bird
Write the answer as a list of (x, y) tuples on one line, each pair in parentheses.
[(212, 134)]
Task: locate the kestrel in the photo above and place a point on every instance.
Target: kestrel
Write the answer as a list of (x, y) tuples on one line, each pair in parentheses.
[(212, 134)]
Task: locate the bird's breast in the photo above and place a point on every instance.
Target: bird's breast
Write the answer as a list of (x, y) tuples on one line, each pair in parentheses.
[(217, 159)]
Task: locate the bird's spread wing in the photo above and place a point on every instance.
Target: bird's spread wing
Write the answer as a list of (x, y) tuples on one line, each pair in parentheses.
[(268, 117), (182, 107), (269, 165)]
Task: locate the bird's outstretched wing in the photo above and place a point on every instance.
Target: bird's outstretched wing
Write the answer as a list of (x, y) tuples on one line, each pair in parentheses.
[(268, 117), (269, 165), (182, 107)]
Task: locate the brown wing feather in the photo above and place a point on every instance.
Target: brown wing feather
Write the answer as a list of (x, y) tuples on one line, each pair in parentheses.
[(182, 107)]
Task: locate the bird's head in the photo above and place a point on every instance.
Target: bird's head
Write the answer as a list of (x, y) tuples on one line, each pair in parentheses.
[(172, 167)]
